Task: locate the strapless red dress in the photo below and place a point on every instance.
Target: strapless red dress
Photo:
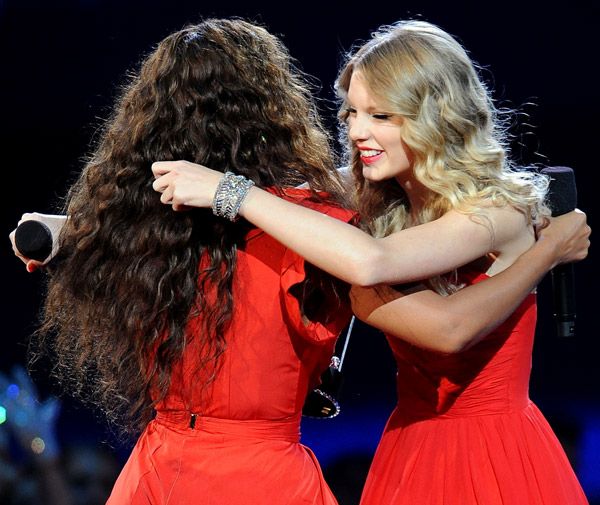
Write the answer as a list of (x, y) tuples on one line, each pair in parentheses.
[(464, 431)]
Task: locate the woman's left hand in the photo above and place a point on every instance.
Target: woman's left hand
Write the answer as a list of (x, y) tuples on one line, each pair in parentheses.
[(183, 184)]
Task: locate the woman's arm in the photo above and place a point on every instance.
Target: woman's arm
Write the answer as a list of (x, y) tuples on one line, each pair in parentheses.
[(453, 323), (338, 248)]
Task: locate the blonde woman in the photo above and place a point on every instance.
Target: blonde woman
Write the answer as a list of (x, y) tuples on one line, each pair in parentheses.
[(440, 200)]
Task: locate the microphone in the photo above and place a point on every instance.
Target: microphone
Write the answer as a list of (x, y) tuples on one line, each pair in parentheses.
[(562, 198), (322, 402), (33, 239), (37, 235)]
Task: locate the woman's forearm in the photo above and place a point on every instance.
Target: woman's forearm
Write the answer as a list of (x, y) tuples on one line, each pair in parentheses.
[(354, 256), (480, 308), (453, 323), (336, 247)]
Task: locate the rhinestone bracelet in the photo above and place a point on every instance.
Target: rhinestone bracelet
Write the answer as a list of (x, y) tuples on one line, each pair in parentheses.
[(230, 193)]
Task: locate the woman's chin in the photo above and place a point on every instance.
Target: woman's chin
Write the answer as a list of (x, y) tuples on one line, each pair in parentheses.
[(371, 174)]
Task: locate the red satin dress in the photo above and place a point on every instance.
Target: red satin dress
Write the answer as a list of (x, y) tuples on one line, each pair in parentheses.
[(237, 441), (464, 431)]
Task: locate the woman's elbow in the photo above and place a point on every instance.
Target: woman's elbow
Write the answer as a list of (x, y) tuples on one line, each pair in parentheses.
[(434, 338), (451, 346), (460, 341), (453, 339), (367, 270)]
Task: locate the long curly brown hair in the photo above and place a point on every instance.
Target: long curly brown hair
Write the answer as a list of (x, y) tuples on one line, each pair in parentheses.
[(224, 93)]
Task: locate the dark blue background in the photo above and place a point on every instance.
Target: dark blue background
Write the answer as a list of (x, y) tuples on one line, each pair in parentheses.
[(63, 60)]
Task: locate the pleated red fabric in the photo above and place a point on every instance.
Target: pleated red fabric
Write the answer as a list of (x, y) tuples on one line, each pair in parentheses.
[(244, 445), (464, 431)]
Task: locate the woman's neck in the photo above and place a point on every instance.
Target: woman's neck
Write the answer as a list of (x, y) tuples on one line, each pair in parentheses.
[(416, 192)]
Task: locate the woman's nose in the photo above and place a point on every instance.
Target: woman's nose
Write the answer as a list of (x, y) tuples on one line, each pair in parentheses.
[(358, 128)]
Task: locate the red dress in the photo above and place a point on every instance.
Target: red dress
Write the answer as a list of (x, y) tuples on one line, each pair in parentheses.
[(464, 431), (244, 447)]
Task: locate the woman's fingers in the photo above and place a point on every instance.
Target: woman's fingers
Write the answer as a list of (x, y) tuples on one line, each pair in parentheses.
[(160, 184), (183, 184), (164, 185), (167, 195), (33, 265), (163, 167)]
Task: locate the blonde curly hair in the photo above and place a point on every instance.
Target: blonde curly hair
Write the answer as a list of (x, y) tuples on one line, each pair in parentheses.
[(450, 124)]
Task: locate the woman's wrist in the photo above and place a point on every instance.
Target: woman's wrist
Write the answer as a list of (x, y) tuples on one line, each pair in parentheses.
[(546, 252), (230, 194)]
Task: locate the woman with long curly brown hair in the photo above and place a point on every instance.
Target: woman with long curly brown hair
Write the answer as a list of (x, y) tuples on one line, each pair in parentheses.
[(210, 324)]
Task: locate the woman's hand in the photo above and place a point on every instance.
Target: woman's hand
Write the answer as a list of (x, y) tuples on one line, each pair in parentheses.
[(183, 184), (570, 235)]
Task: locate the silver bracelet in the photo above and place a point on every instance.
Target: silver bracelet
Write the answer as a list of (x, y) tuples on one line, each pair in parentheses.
[(230, 193)]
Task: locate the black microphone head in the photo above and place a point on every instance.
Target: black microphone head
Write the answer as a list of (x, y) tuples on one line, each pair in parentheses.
[(33, 240), (562, 194)]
